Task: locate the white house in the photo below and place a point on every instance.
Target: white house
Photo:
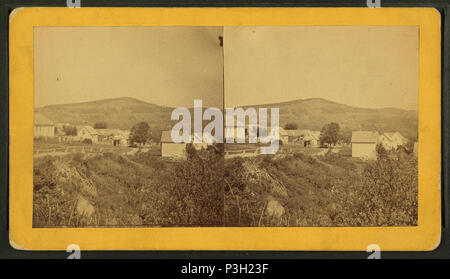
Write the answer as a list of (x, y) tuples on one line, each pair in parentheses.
[(43, 127), (170, 148), (392, 140), (364, 144)]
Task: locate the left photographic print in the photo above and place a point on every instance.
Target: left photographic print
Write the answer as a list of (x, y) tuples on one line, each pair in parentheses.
[(103, 151)]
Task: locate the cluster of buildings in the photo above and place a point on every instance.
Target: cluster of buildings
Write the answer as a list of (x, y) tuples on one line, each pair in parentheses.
[(114, 137), (364, 143), (302, 137), (45, 128)]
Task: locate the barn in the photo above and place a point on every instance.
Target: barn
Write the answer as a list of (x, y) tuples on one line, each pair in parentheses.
[(295, 136), (170, 148), (311, 138), (364, 144), (43, 127)]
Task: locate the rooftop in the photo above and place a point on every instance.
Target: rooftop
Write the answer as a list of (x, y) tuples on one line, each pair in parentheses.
[(40, 119), (365, 136)]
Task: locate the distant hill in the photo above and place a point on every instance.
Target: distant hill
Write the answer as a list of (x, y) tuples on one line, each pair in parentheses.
[(316, 112), (123, 113)]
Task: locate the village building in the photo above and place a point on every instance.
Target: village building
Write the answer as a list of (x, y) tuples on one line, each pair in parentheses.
[(311, 138), (302, 137), (121, 137), (114, 137), (43, 127), (295, 137), (364, 144), (393, 140), (87, 133), (170, 148)]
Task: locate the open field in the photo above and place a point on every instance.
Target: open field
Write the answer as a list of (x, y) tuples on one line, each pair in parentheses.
[(52, 148)]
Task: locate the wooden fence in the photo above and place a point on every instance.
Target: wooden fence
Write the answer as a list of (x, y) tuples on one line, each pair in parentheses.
[(73, 149)]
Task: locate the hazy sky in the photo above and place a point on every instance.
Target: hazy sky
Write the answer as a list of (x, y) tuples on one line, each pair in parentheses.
[(163, 65), (360, 66), (356, 65)]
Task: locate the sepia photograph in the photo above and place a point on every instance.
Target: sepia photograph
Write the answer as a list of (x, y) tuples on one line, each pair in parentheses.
[(225, 126)]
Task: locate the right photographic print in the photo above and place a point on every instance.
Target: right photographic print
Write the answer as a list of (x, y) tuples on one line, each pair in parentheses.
[(347, 99)]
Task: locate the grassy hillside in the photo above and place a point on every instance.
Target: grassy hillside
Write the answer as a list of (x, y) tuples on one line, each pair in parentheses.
[(207, 190), (312, 114), (330, 190), (120, 113)]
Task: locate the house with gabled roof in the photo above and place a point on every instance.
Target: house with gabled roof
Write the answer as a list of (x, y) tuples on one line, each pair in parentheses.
[(43, 127), (87, 132), (392, 140), (364, 144), (170, 148)]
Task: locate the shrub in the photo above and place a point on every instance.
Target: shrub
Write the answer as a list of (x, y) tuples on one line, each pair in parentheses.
[(44, 173), (381, 151), (387, 194), (100, 125), (197, 189), (87, 141), (291, 126)]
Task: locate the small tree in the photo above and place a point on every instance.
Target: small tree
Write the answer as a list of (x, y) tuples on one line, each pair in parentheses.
[(69, 130), (346, 135), (330, 134), (100, 125), (381, 151), (140, 133), (291, 126)]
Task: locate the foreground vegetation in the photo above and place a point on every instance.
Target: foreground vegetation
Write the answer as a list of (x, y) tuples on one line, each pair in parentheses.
[(207, 190)]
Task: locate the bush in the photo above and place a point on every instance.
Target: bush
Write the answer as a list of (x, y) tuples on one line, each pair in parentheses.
[(338, 160), (51, 205), (100, 125), (87, 141), (291, 126), (387, 194), (207, 190), (197, 190), (70, 130), (44, 173)]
